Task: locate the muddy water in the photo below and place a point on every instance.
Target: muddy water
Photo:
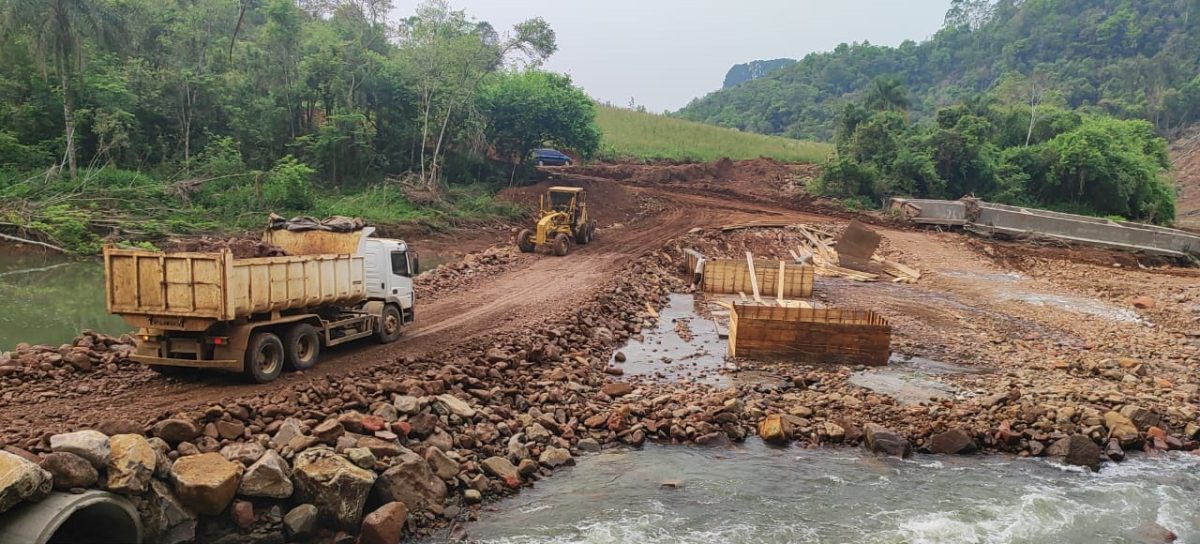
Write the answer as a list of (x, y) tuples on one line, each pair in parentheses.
[(682, 346), (49, 299), (755, 494)]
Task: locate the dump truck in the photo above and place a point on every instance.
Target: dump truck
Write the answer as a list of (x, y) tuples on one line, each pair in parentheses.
[(562, 219), (258, 315)]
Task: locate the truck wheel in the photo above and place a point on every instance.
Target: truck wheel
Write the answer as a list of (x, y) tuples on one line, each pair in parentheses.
[(525, 241), (264, 357), (561, 243), (303, 346), (581, 234), (389, 325)]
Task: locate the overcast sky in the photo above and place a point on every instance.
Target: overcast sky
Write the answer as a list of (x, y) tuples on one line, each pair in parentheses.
[(663, 53)]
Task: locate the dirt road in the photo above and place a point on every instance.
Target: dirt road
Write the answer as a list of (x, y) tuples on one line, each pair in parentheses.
[(530, 291)]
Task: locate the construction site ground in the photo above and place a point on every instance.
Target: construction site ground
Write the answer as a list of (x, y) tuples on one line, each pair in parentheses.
[(1016, 346), (1034, 316)]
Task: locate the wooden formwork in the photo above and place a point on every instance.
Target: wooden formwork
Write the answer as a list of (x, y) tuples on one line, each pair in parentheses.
[(731, 277), (825, 335)]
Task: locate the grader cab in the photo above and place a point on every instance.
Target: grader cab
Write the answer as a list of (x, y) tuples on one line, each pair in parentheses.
[(562, 219)]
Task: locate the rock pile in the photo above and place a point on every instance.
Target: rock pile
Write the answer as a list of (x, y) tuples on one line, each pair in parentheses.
[(89, 352), (241, 247), (457, 275)]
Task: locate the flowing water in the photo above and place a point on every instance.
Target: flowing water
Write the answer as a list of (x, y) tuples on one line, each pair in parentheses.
[(49, 299), (759, 494)]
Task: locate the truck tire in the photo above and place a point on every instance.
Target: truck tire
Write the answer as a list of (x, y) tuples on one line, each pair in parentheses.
[(264, 357), (525, 241), (562, 243), (390, 324), (581, 234), (302, 346)]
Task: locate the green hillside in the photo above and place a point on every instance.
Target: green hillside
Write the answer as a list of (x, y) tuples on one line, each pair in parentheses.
[(1130, 59), (646, 136)]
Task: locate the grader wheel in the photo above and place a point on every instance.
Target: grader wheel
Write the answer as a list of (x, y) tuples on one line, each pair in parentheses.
[(561, 244), (525, 241)]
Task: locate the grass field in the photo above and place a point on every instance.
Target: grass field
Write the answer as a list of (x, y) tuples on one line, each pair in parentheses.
[(646, 136)]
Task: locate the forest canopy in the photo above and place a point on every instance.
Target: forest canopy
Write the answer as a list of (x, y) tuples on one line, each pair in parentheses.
[(1048, 156), (184, 114), (1132, 59)]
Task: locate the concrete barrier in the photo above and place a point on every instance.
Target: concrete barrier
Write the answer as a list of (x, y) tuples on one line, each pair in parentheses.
[(1014, 221)]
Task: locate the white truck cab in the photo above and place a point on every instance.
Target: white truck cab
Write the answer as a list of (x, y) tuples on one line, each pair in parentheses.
[(388, 269)]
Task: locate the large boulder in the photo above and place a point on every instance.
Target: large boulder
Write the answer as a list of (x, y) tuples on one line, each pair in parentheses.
[(500, 467), (1121, 428), (268, 477), (291, 428), (333, 484), (164, 518), (88, 444), (1078, 450), (175, 431), (774, 430), (131, 465), (456, 406), (206, 482), (21, 480), (70, 470), (412, 482), (1141, 417), (555, 457), (880, 439), (440, 463), (953, 441), (385, 525), (301, 521)]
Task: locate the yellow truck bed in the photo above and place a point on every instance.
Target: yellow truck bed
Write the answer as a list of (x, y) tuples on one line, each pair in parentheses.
[(191, 291)]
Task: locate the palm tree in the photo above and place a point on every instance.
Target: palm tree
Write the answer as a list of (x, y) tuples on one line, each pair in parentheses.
[(887, 94), (58, 29)]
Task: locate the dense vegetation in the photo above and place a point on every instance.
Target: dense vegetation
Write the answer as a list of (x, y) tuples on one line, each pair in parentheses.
[(1049, 157), (741, 73), (630, 134), (141, 117), (1133, 59)]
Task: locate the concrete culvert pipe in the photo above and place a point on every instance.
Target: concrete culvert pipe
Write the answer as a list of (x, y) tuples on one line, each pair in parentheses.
[(91, 517)]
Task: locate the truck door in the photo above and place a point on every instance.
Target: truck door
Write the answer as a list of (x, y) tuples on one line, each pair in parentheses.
[(404, 267)]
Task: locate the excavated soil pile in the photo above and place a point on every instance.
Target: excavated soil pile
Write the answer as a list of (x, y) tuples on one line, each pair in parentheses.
[(242, 248)]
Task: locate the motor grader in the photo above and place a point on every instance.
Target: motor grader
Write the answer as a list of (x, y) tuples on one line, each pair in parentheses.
[(562, 219)]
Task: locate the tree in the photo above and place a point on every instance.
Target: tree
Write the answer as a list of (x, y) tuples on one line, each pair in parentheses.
[(531, 108), (887, 94), (451, 54), (58, 28)]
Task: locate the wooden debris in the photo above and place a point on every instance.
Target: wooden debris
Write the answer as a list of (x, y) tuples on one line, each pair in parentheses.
[(765, 223), (753, 276)]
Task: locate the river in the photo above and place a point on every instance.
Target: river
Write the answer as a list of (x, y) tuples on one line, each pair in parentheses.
[(49, 299), (760, 494)]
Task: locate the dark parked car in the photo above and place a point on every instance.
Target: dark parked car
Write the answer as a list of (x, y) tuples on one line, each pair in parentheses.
[(551, 157)]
